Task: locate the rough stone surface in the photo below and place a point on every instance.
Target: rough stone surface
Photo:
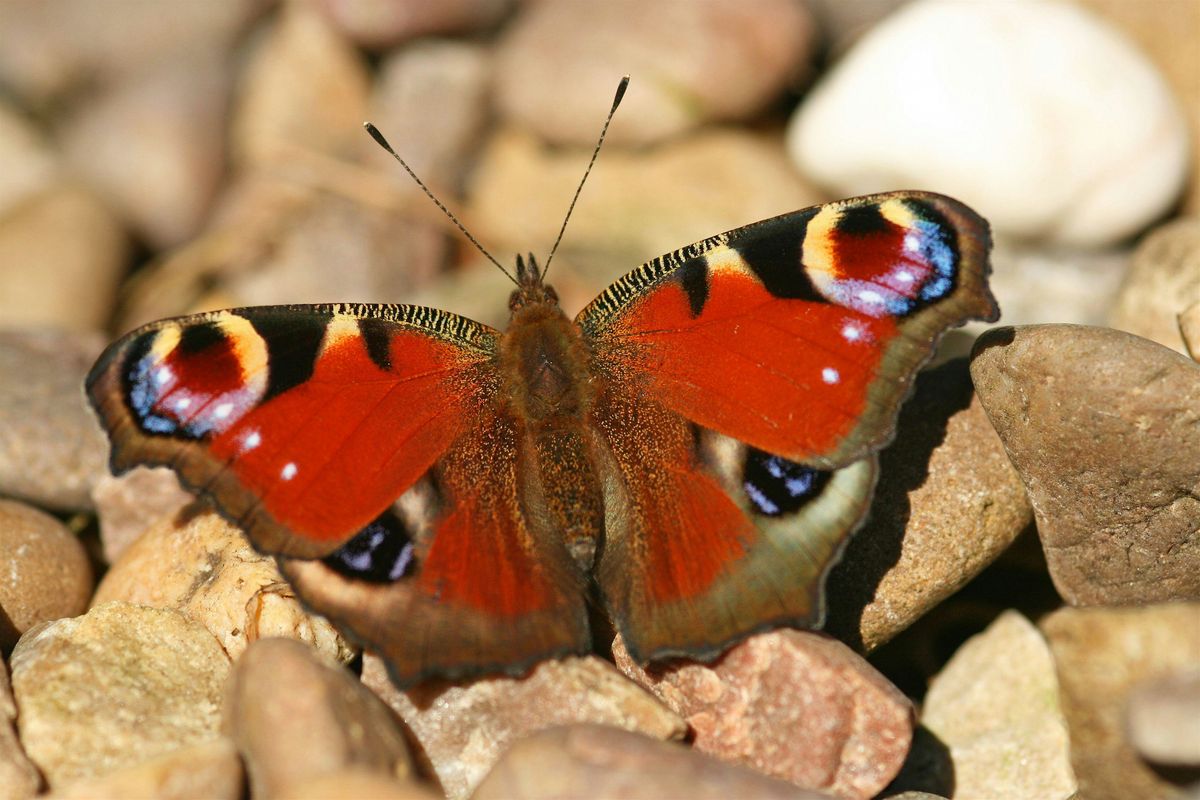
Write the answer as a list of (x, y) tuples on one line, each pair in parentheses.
[(557, 60), (44, 571), (1101, 655), (1162, 719), (996, 706), (796, 705), (127, 506), (1103, 428), (210, 770), (52, 451), (114, 688), (1002, 80), (608, 763), (19, 779), (948, 503), (316, 719), (1163, 280), (205, 568), (463, 728)]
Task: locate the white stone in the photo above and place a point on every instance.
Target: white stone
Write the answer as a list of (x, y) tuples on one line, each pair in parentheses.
[(1034, 112)]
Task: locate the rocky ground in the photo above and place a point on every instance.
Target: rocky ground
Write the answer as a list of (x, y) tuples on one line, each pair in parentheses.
[(1019, 618)]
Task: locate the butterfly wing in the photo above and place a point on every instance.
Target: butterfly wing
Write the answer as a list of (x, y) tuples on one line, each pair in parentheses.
[(764, 365), (304, 424)]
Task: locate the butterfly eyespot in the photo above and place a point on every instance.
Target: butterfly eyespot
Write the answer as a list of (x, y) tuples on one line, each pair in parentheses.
[(777, 487), (382, 552)]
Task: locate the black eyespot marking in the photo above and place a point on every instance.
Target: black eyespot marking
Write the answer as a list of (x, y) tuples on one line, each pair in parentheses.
[(863, 220), (292, 341), (382, 552), (376, 335), (777, 487), (774, 256), (693, 276), (198, 338)]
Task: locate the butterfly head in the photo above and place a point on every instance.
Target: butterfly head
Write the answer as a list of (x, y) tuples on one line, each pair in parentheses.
[(530, 289)]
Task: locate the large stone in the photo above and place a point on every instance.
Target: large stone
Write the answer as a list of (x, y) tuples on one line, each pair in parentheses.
[(1162, 718), (464, 728), (113, 688), (996, 706), (296, 717), (381, 25), (19, 779), (1101, 655), (948, 503), (1103, 428), (211, 770), (795, 705), (1162, 282)]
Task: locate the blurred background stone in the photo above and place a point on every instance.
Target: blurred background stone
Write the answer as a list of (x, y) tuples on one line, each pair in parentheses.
[(129, 505), (1162, 718), (1162, 282), (384, 23), (210, 770)]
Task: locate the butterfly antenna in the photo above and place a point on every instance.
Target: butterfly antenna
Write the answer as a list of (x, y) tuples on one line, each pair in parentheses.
[(382, 142), (616, 102)]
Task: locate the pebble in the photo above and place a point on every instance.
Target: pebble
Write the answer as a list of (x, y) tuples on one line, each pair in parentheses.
[(1162, 719), (996, 706), (980, 110), (210, 770), (175, 113), (1163, 280), (948, 503), (1102, 654), (558, 65), (462, 729), (377, 25), (319, 719), (606, 763), (1103, 428), (205, 568), (114, 688), (44, 571), (19, 779), (795, 705), (129, 505)]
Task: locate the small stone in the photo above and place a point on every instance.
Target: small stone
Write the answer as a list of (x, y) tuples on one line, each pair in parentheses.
[(1163, 718), (357, 783), (205, 568), (304, 88), (127, 506), (463, 728), (44, 571), (63, 253), (318, 719), (1163, 280), (1101, 655), (113, 688), (558, 65), (211, 770), (19, 779), (606, 763), (874, 123), (996, 706), (795, 705), (384, 23), (1102, 427), (948, 503)]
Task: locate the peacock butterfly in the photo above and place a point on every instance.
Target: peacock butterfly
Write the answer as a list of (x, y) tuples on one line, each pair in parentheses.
[(690, 453)]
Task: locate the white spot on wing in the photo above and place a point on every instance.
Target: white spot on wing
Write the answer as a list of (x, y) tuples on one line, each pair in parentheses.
[(851, 332), (289, 471), (904, 276), (870, 296), (182, 403), (223, 410), (163, 374), (830, 375), (251, 440)]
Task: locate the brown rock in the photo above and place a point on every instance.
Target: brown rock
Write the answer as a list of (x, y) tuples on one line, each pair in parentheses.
[(463, 728), (357, 783), (127, 506), (996, 706), (114, 688), (210, 770), (558, 65), (796, 705), (378, 25), (606, 763), (948, 503), (1162, 719), (205, 568), (44, 571), (63, 253), (1101, 654), (1163, 280), (1102, 426), (19, 779), (319, 719)]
